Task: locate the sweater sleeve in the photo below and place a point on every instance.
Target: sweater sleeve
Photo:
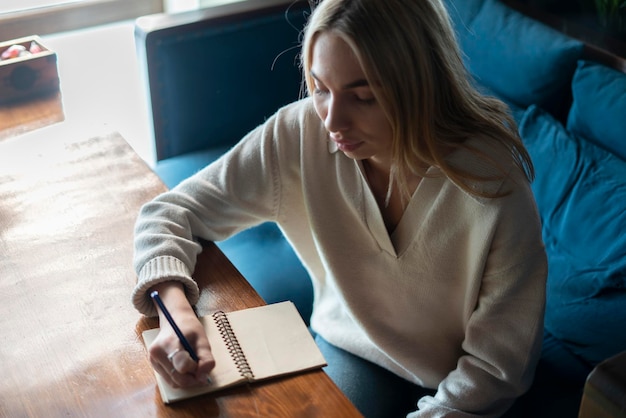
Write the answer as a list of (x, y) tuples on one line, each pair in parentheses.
[(504, 331), (238, 191)]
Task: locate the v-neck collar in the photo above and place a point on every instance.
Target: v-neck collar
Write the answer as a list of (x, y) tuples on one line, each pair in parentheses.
[(396, 243)]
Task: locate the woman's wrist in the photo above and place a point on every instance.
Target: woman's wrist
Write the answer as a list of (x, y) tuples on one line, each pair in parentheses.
[(173, 295)]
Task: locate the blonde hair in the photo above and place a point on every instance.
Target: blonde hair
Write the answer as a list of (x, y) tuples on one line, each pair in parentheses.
[(409, 53)]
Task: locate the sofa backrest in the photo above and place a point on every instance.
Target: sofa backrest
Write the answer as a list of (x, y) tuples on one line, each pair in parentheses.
[(525, 56), (202, 67)]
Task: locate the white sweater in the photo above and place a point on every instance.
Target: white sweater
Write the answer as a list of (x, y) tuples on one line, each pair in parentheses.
[(453, 299)]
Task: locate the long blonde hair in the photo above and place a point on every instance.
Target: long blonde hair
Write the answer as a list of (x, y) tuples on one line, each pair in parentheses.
[(409, 53)]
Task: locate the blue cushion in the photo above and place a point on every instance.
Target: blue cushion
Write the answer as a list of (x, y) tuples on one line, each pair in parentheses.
[(599, 109), (267, 260), (581, 195), (462, 13), (516, 111), (520, 59), (176, 169)]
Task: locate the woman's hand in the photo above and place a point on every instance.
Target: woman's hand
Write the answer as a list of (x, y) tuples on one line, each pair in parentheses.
[(167, 355)]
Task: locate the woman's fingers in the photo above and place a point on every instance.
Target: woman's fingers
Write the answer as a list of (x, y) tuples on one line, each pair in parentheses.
[(177, 367), (182, 362), (205, 365)]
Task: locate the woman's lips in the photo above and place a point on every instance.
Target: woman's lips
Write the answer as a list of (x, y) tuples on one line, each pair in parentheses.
[(347, 146)]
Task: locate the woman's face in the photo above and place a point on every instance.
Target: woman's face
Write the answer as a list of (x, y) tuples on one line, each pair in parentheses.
[(344, 101)]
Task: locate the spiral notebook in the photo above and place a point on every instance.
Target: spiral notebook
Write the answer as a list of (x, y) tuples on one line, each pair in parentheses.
[(250, 345)]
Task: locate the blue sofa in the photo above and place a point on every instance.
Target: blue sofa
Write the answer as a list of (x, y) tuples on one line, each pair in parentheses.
[(214, 74)]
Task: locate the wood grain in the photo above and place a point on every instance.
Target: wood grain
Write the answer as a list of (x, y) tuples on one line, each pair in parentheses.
[(71, 344)]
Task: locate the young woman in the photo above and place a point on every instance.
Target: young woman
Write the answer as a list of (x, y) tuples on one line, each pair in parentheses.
[(406, 195)]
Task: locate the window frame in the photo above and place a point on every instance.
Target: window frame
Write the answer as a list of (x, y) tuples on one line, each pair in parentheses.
[(71, 16)]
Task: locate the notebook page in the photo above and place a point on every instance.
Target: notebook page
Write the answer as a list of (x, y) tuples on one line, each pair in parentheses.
[(275, 340)]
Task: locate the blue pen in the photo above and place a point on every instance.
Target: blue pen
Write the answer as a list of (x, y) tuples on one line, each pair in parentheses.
[(155, 296)]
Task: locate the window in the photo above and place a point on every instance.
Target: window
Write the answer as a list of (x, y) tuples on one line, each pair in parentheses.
[(20, 18)]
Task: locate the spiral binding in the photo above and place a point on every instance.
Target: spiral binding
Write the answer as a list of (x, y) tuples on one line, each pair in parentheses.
[(235, 350)]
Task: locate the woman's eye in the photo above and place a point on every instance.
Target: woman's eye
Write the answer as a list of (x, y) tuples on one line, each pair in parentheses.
[(366, 99), (364, 95)]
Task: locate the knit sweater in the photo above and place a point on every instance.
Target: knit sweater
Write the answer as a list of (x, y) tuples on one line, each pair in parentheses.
[(453, 299)]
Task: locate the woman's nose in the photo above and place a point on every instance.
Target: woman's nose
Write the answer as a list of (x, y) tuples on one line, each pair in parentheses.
[(337, 116)]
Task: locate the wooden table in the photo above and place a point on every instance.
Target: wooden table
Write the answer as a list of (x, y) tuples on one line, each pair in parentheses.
[(71, 342)]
